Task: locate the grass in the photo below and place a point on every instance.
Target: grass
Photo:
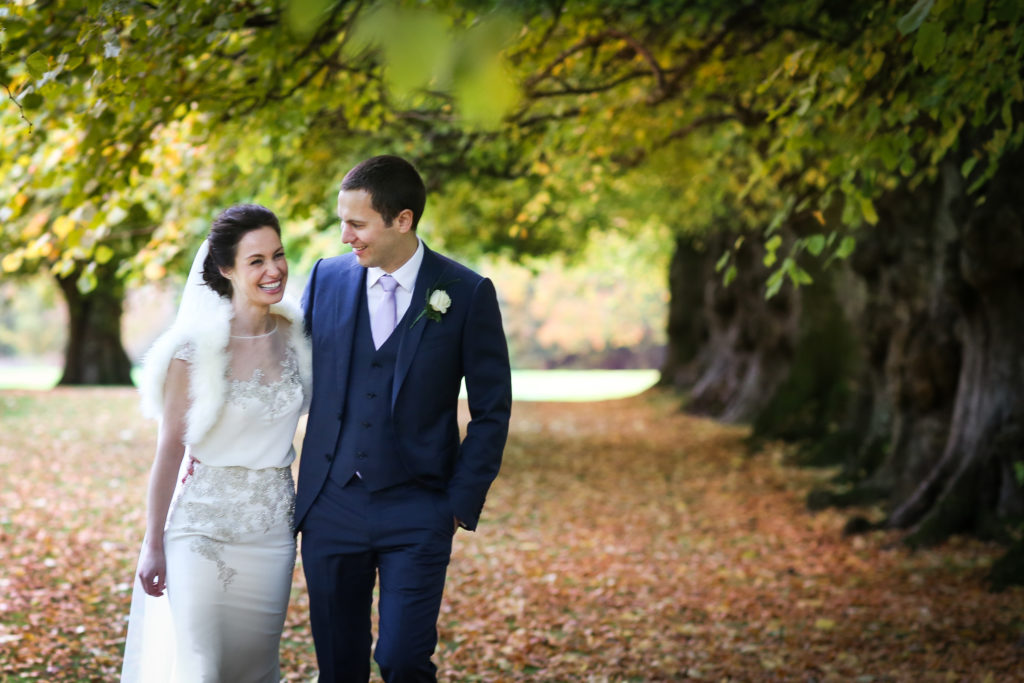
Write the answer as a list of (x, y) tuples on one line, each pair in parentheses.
[(527, 385)]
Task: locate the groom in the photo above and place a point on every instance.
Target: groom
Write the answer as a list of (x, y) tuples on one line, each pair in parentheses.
[(384, 480)]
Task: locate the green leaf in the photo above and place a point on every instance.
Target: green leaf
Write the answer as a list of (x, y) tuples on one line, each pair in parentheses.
[(815, 244), (798, 275), (724, 259), (867, 209), (913, 19), (730, 275), (103, 254), (968, 166), (304, 16), (846, 247), (33, 100), (37, 64), (931, 40), (87, 281)]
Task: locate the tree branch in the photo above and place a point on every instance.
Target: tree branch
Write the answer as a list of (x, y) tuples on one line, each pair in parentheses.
[(21, 110)]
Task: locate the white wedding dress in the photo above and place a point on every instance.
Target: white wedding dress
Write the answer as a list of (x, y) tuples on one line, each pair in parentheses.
[(229, 543)]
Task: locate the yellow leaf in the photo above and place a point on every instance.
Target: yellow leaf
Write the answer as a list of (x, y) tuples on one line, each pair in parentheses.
[(63, 226), (103, 254), (154, 271), (825, 624), (12, 261)]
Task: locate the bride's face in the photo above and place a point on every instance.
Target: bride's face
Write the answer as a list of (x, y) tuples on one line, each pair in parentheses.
[(260, 271)]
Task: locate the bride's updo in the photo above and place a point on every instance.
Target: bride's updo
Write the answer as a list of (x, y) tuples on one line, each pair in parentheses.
[(225, 234)]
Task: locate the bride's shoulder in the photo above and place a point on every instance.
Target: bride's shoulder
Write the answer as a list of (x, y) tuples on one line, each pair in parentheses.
[(185, 351), (290, 329), (284, 323)]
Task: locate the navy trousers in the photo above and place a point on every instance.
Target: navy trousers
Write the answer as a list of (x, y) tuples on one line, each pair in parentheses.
[(404, 534)]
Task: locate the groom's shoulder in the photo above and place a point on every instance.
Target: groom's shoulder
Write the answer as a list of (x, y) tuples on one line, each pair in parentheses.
[(336, 265), (459, 270)]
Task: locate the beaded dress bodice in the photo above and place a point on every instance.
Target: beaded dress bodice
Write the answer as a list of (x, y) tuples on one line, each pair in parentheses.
[(257, 422)]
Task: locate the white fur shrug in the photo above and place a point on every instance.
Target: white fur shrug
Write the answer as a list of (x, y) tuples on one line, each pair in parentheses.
[(208, 382)]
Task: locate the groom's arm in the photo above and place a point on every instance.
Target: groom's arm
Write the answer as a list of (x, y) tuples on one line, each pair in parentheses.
[(307, 299), (489, 392)]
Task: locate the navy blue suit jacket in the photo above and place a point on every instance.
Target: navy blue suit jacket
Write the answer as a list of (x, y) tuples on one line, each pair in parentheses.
[(433, 357)]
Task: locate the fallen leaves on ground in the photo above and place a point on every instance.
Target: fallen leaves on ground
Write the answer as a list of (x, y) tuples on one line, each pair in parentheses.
[(623, 541)]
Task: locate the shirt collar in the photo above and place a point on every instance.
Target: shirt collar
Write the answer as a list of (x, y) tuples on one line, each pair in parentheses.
[(406, 275)]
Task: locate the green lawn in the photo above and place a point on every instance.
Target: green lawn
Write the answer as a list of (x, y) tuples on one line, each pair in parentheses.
[(527, 385)]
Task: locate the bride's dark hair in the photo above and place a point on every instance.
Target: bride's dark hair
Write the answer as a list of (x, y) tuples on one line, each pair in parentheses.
[(225, 234)]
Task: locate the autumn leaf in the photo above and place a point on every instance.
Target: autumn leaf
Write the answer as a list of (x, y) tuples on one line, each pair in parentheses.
[(622, 541)]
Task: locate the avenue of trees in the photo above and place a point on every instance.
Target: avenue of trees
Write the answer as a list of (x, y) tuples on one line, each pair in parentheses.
[(841, 181)]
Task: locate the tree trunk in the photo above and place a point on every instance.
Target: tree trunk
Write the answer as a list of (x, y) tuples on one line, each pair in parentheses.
[(911, 355), (816, 389), (750, 340), (94, 353), (691, 267), (973, 487)]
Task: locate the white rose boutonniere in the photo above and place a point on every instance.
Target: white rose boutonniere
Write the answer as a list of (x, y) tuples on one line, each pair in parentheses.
[(438, 303)]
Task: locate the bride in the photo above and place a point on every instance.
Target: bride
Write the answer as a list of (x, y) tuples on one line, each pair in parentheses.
[(228, 382)]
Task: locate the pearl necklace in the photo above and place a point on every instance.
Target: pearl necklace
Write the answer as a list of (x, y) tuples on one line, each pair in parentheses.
[(255, 336)]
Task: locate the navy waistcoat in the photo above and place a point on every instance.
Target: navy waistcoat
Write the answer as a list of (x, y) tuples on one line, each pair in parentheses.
[(367, 442)]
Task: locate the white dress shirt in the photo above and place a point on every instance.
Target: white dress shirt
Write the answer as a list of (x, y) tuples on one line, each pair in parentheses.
[(404, 276)]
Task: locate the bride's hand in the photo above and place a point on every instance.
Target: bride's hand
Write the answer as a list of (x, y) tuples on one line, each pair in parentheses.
[(153, 572)]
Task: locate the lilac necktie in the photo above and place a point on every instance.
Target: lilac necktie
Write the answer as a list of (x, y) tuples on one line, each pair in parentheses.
[(385, 319)]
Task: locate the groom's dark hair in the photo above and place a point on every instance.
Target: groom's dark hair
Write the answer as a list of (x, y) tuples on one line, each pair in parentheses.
[(393, 184)]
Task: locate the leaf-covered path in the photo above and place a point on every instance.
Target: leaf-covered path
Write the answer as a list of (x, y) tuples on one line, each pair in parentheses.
[(623, 541)]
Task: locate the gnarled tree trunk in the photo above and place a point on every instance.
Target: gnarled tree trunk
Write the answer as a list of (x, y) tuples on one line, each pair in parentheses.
[(974, 484), (94, 353), (750, 340), (910, 354)]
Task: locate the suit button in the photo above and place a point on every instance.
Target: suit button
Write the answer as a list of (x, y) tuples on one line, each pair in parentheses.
[(366, 424), (329, 456), (375, 364), (361, 455), (341, 416), (371, 395)]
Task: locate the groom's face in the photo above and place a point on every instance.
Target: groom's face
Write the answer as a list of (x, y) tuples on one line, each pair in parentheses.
[(374, 242)]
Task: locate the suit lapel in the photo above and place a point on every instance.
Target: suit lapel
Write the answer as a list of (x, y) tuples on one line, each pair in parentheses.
[(346, 309), (431, 271)]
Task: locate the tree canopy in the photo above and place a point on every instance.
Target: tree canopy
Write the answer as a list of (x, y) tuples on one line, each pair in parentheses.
[(126, 122)]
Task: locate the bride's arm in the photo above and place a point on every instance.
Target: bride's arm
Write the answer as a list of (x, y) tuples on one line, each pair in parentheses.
[(169, 451)]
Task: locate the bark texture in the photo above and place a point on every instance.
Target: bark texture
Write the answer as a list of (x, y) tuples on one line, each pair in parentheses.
[(906, 365), (973, 483), (750, 340), (94, 353)]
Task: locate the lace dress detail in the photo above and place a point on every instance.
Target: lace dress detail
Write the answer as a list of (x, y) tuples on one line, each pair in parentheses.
[(225, 505), (278, 397)]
